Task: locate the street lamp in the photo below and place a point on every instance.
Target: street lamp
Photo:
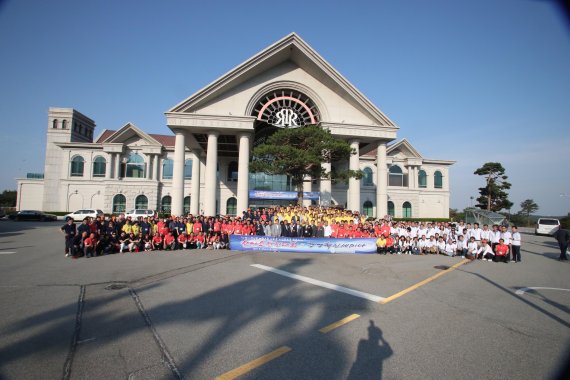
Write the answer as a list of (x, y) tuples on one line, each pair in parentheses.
[(471, 201)]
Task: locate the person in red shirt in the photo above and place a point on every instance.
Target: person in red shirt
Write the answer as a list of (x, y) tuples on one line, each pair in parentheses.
[(201, 241), (197, 227), (390, 244), (157, 242), (182, 241), (169, 242), (501, 252), (89, 245)]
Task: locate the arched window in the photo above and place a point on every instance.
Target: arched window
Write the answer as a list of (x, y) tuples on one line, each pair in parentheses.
[(422, 178), (64, 124), (437, 180), (166, 204), (54, 123), (119, 203), (396, 177), (135, 166), (368, 208), (233, 171), (367, 179), (407, 210), (167, 169), (77, 163), (141, 201), (99, 167), (231, 206), (187, 205), (391, 210), (188, 169)]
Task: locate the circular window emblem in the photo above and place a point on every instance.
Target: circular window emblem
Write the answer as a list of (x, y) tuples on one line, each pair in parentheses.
[(286, 109)]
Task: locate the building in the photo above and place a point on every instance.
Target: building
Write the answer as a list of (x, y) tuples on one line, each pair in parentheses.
[(204, 165)]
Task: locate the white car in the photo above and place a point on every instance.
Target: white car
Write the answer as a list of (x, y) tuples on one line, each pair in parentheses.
[(79, 215), (546, 226), (140, 213)]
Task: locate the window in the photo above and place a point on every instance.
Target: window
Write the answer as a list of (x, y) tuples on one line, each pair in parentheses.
[(397, 177), (64, 124), (77, 163), (438, 180), (119, 203), (167, 169), (368, 208), (99, 167), (166, 204), (407, 210), (187, 205), (367, 178), (231, 206), (422, 178), (233, 172), (54, 124), (135, 166), (391, 210), (141, 201), (188, 169)]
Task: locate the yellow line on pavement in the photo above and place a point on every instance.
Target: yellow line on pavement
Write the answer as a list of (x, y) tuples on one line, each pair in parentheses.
[(242, 370), (337, 324), (422, 283)]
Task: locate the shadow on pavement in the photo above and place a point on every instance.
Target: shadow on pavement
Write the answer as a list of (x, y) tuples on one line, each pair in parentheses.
[(371, 354)]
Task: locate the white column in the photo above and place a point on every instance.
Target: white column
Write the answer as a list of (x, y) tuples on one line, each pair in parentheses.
[(243, 173), (178, 175), (353, 183), (117, 165), (411, 177), (155, 160), (108, 166), (148, 171), (326, 186), (195, 195), (382, 181), (211, 178), (307, 187)]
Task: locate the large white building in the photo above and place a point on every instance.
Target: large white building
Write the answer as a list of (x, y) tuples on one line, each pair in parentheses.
[(204, 166)]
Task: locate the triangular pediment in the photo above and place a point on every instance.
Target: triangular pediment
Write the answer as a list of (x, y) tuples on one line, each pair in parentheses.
[(131, 135), (271, 66), (402, 150)]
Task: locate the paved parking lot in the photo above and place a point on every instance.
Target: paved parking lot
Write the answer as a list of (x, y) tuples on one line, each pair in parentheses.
[(267, 315)]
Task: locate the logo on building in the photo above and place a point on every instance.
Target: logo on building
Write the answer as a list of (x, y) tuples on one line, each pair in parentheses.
[(286, 118), (286, 109)]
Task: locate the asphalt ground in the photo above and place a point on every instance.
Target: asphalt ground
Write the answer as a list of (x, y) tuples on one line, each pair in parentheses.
[(201, 315)]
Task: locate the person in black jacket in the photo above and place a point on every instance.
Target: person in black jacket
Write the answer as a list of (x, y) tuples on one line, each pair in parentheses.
[(563, 238)]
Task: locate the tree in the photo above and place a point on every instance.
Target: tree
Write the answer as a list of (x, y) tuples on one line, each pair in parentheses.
[(300, 152), (8, 198), (528, 206), (493, 195)]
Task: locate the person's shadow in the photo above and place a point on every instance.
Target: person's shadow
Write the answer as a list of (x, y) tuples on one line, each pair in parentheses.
[(370, 355)]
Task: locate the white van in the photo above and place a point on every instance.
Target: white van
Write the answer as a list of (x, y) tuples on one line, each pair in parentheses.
[(546, 226)]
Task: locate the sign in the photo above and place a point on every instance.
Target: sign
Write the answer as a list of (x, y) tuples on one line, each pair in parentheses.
[(285, 195), (306, 245), (286, 118)]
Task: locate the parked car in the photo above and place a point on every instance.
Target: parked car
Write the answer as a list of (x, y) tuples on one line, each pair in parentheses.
[(35, 215), (84, 213), (546, 226), (137, 213)]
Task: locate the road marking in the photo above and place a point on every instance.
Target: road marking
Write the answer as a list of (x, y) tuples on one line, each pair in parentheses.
[(7, 253), (522, 291), (338, 288), (254, 364), (422, 283), (337, 324)]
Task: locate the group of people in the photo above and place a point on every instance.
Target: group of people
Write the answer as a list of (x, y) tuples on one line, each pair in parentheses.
[(117, 234)]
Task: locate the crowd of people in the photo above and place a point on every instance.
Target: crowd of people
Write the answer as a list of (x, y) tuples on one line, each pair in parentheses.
[(117, 234)]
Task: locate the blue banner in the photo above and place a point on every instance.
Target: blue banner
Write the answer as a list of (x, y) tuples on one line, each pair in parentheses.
[(306, 245), (287, 195)]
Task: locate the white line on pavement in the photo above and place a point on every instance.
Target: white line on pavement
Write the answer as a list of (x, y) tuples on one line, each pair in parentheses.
[(338, 288), (524, 290), (6, 253)]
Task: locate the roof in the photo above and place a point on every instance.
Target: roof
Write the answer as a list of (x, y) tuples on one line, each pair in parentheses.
[(164, 140)]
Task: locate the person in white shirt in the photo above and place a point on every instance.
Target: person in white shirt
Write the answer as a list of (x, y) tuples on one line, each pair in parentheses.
[(415, 246), (485, 252), (431, 245), (486, 233), (476, 233), (515, 245), (495, 236), (441, 246), (472, 248), (506, 236), (422, 230), (327, 230), (461, 246), (450, 248), (422, 245)]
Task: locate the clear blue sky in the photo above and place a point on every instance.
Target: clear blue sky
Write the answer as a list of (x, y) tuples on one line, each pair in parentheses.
[(471, 81)]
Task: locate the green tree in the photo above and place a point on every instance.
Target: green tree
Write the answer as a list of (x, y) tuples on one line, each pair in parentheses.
[(493, 195), (8, 198), (300, 152), (528, 206)]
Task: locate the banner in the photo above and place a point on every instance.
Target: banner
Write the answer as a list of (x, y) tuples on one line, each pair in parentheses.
[(287, 195), (306, 245)]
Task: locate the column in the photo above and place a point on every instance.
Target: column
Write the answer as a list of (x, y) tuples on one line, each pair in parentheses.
[(307, 187), (155, 160), (411, 177), (108, 166), (211, 178), (117, 165), (326, 186), (382, 182), (195, 195), (243, 174), (178, 175), (353, 183), (149, 166)]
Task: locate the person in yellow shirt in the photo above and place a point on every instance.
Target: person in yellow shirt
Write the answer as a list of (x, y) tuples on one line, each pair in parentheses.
[(127, 227), (381, 245), (135, 228)]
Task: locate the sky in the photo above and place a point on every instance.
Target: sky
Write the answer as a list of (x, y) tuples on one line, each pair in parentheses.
[(470, 81)]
